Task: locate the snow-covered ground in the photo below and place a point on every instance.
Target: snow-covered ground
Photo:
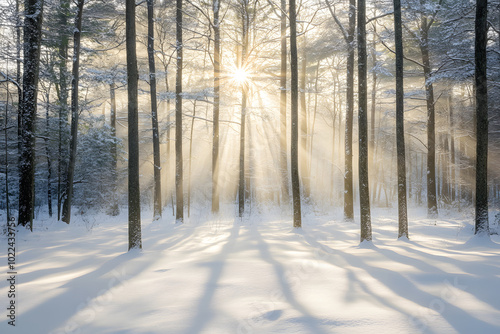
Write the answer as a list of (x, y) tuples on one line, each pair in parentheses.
[(256, 275)]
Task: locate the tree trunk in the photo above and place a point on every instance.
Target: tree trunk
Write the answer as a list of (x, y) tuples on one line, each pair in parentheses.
[(32, 39), (432, 210), (400, 132), (179, 192), (66, 215), (134, 197), (7, 203), (47, 152), (154, 113), (364, 193), (348, 188), (297, 216), (285, 192), (215, 143), (241, 183), (62, 163), (481, 33)]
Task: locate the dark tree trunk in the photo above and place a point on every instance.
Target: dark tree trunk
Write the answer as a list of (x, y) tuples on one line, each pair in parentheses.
[(364, 193), (297, 216), (47, 152), (432, 210), (62, 162), (114, 210), (241, 184), (400, 132), (215, 143), (154, 112), (179, 192), (7, 202), (285, 192), (66, 215), (348, 179), (134, 195), (18, 78), (481, 31), (32, 39)]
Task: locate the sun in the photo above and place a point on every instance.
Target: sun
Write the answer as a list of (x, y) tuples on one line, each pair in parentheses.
[(240, 76)]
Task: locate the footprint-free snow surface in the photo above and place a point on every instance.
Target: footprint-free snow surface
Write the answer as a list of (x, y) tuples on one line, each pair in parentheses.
[(255, 275)]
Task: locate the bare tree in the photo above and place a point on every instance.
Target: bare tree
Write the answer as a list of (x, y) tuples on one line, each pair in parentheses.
[(66, 215), (154, 112), (400, 132), (134, 197), (285, 191), (297, 216), (364, 193), (215, 143), (179, 192)]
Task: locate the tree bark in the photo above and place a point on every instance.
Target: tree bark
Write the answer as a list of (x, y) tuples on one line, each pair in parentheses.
[(157, 206), (241, 183), (62, 162), (215, 143), (400, 132), (66, 215), (32, 39), (348, 179), (179, 192), (285, 191), (364, 193), (297, 216), (134, 197), (481, 33), (432, 210)]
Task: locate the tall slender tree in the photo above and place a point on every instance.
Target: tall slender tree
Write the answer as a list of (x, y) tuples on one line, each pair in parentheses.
[(425, 25), (62, 55), (154, 112), (216, 108), (66, 216), (32, 38), (364, 193), (400, 133), (285, 191), (244, 89), (294, 70), (134, 197), (179, 192), (348, 35), (481, 89)]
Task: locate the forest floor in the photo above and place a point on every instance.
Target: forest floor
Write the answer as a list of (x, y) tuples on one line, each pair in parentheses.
[(255, 275)]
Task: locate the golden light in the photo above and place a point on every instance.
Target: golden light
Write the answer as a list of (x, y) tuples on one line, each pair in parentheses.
[(240, 76)]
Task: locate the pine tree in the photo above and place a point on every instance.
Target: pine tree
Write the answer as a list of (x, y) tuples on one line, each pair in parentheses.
[(32, 38)]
